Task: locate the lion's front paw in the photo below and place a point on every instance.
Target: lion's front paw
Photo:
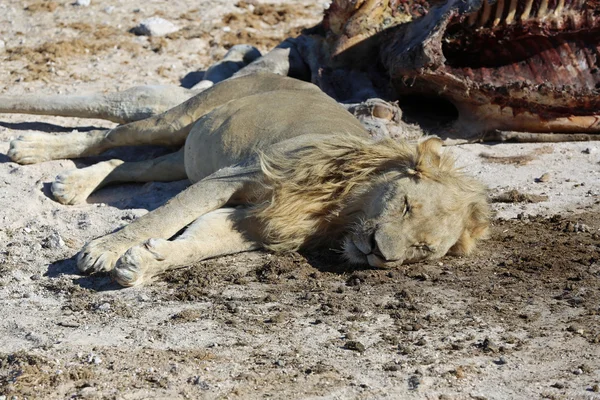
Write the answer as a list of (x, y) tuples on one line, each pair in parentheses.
[(71, 187), (98, 256), (75, 186), (31, 148), (141, 263)]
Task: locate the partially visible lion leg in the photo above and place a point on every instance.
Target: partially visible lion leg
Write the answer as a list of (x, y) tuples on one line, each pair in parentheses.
[(74, 186), (167, 129), (285, 60), (209, 194), (214, 234), (132, 104)]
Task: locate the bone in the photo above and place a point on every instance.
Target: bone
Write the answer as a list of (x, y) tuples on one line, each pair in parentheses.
[(499, 12), (559, 8), (510, 17), (485, 15), (529, 137), (473, 18), (527, 10), (543, 10)]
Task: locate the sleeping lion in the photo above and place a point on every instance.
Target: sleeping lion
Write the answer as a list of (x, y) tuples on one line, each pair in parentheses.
[(276, 164)]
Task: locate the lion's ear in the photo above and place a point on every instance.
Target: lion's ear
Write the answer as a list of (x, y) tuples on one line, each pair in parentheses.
[(430, 152), (476, 227)]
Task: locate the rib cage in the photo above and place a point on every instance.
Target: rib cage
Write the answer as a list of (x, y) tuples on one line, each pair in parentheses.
[(559, 14)]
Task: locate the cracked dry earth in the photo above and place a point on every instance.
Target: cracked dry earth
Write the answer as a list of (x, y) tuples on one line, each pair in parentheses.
[(520, 319)]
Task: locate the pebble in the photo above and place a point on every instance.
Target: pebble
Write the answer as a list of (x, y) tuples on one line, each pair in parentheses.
[(589, 150), (87, 392), (414, 382), (54, 241), (544, 178), (155, 26), (82, 3), (578, 371), (2, 46), (109, 9), (355, 345)]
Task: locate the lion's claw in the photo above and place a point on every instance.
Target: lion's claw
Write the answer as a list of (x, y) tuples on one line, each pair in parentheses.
[(97, 256)]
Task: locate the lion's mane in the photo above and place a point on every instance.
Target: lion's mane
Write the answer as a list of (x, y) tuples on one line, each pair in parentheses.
[(315, 188)]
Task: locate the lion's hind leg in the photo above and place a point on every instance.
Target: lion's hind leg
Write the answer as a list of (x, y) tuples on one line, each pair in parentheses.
[(74, 186), (214, 234)]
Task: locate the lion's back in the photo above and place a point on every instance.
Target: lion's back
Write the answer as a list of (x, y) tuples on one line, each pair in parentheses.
[(231, 133)]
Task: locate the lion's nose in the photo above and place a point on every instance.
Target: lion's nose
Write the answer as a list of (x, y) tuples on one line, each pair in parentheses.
[(383, 247)]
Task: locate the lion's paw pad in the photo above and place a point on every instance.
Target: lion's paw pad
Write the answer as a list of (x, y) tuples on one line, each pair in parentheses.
[(140, 263), (72, 187), (31, 148)]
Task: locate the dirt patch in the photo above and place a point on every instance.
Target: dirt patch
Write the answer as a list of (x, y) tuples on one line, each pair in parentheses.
[(514, 196), (41, 61), (522, 159), (42, 6), (261, 24), (31, 375)]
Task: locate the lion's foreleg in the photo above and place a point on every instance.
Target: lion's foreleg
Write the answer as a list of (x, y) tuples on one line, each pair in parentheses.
[(223, 231), (72, 187), (207, 195)]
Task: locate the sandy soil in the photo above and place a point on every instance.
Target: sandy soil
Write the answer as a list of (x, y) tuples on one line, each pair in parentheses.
[(520, 319)]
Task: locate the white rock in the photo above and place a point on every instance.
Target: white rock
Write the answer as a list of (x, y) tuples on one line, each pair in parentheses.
[(2, 44), (109, 9), (54, 241), (155, 26), (82, 3)]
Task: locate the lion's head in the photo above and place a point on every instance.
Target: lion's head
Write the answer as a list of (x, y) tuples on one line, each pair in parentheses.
[(383, 203)]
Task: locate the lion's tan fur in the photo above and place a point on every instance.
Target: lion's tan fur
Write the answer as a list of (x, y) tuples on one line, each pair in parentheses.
[(317, 186)]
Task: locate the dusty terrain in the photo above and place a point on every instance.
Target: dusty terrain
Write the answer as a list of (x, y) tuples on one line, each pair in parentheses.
[(520, 319)]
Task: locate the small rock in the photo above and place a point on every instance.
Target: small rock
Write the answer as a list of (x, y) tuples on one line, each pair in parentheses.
[(94, 359), (578, 371), (109, 9), (87, 392), (544, 178), (500, 361), (589, 150), (488, 346), (155, 26), (53, 241), (104, 307), (196, 380), (355, 346), (414, 382), (558, 385), (82, 3), (2, 46), (595, 388)]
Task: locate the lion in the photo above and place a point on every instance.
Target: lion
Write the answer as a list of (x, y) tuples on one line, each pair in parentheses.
[(275, 164)]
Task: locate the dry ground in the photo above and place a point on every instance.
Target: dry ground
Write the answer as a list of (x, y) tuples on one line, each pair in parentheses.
[(520, 319)]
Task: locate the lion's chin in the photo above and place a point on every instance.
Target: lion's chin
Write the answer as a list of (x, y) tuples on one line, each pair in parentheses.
[(354, 255)]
